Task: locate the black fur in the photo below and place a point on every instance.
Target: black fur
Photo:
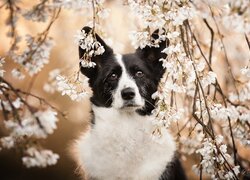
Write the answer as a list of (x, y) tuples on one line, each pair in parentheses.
[(174, 171), (148, 83), (145, 60)]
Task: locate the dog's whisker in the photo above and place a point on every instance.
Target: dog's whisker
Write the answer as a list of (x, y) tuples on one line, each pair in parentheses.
[(108, 100), (150, 103)]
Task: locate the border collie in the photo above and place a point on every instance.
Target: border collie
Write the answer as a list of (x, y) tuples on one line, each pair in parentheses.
[(119, 144)]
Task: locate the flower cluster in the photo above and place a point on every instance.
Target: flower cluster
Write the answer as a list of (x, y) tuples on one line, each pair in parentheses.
[(150, 17), (72, 89), (165, 118), (39, 125), (35, 56), (90, 45), (51, 85), (72, 4), (190, 143), (156, 15), (213, 103), (245, 71), (239, 117), (214, 154), (243, 94), (26, 123), (39, 158), (17, 74), (39, 13), (190, 86), (237, 16), (1, 66)]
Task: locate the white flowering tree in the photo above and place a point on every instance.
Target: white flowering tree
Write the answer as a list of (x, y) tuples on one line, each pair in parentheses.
[(204, 93)]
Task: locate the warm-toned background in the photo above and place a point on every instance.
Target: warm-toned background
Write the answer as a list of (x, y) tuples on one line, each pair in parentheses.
[(65, 56)]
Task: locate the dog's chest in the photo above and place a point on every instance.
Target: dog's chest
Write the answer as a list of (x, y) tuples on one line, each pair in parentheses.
[(120, 146)]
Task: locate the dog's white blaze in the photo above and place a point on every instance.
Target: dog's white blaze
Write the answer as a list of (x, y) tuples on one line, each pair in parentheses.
[(120, 146), (125, 81)]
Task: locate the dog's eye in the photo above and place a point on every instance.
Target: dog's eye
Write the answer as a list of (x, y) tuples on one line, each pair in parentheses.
[(139, 74), (113, 77)]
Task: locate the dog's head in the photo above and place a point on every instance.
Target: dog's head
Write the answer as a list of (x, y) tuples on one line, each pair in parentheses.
[(125, 82)]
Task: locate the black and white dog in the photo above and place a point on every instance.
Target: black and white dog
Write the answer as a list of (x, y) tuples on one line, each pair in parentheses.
[(119, 144)]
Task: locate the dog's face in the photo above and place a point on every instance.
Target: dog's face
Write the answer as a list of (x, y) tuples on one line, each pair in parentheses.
[(125, 82)]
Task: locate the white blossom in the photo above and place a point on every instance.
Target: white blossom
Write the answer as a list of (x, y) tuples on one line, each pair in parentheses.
[(173, 35), (88, 64), (70, 89), (35, 56), (1, 66), (39, 158), (241, 132), (245, 71), (236, 16), (211, 156), (7, 142), (243, 94), (166, 115), (181, 15), (139, 39), (210, 78), (188, 91), (39, 13), (6, 105), (190, 144), (104, 13), (148, 15), (72, 4), (17, 103), (51, 85), (222, 113), (172, 49), (87, 42), (91, 46), (16, 73), (48, 120), (245, 117), (39, 125)]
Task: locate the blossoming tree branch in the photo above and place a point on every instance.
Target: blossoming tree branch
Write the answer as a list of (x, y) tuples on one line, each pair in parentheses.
[(207, 106)]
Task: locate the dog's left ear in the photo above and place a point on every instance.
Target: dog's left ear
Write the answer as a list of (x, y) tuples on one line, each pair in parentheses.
[(107, 49), (153, 54), (91, 72)]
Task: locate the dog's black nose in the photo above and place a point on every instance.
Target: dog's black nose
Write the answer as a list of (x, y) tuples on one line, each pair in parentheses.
[(128, 94)]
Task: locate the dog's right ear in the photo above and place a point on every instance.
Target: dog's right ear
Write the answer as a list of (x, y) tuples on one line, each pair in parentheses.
[(152, 54), (91, 72)]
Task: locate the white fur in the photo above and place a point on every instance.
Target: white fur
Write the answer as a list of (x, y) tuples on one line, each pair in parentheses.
[(125, 81), (120, 146)]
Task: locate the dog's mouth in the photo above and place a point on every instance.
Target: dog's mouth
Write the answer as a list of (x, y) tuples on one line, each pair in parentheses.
[(130, 105)]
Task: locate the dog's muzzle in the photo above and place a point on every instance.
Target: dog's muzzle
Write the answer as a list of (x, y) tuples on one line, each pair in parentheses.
[(128, 94)]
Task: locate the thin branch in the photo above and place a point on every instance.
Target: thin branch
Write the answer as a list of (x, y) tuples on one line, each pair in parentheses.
[(225, 53), (10, 4), (223, 97), (94, 15), (248, 43), (211, 42), (210, 47), (17, 91)]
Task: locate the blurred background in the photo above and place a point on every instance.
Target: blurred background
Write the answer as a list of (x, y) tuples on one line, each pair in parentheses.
[(64, 56)]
